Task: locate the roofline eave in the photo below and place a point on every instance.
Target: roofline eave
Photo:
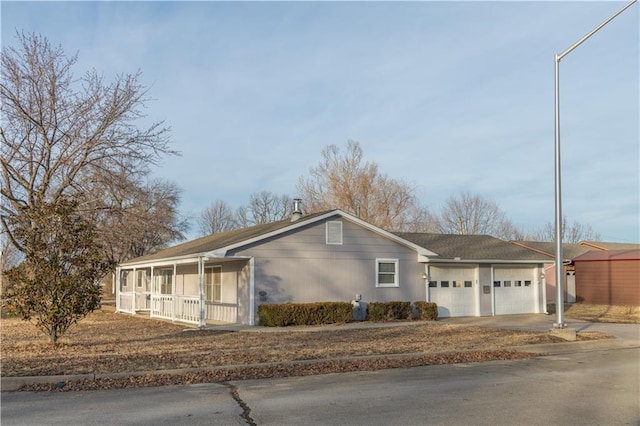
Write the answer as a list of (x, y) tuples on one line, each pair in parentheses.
[(463, 261)]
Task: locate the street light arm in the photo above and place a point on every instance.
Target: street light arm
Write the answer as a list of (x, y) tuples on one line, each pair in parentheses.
[(592, 32), (559, 272)]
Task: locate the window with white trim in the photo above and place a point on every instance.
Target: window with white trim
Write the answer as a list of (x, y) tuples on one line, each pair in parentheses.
[(142, 279), (334, 232), (123, 279), (213, 284), (387, 273), (163, 282)]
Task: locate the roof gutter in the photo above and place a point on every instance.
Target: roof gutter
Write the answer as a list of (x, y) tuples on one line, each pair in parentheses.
[(464, 261)]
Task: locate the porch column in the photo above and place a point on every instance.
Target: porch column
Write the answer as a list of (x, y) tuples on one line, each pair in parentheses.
[(174, 284), (201, 291), (117, 279), (135, 283), (153, 285)]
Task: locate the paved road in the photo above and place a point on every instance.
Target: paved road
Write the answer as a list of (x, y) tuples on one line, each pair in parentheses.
[(588, 387)]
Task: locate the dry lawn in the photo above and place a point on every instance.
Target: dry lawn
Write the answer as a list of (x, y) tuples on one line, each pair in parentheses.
[(106, 342), (601, 313)]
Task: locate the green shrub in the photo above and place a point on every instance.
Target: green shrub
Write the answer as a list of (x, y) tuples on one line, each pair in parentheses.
[(282, 315), (426, 311), (389, 311)]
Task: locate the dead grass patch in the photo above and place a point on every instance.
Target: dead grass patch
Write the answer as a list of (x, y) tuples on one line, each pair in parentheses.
[(106, 343), (601, 313)]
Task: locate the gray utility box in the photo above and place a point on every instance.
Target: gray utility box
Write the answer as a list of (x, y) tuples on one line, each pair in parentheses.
[(359, 310)]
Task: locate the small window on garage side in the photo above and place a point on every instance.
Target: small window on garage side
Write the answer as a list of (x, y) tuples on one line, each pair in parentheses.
[(387, 273), (444, 284), (507, 283), (517, 283), (496, 283), (433, 284), (457, 284), (334, 232), (527, 283), (468, 284)]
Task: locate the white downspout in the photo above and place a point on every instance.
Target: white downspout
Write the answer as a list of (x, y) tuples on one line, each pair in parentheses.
[(427, 269), (493, 293), (478, 290), (543, 280), (252, 290), (536, 298)]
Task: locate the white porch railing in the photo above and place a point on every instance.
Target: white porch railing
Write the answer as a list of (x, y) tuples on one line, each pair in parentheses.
[(222, 312), (161, 306), (180, 308), (188, 309), (124, 303)]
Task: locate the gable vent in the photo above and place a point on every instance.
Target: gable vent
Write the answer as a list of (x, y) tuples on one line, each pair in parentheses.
[(334, 232)]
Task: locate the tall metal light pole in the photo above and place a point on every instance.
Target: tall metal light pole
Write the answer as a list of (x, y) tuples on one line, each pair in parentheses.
[(559, 261)]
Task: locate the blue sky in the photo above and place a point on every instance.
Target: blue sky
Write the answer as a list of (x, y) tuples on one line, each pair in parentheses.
[(447, 96)]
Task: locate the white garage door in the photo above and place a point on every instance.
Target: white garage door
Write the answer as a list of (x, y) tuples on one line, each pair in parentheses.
[(514, 290), (452, 289)]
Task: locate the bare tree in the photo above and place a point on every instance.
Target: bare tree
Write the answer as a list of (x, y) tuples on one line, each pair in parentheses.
[(218, 217), (135, 216), (72, 153), (57, 130), (264, 207), (468, 214), (346, 182), (573, 232)]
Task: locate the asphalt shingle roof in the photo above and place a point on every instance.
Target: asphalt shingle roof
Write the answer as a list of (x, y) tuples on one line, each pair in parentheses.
[(221, 239), (471, 247)]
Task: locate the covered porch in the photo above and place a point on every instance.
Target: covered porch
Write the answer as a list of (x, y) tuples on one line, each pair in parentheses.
[(196, 290)]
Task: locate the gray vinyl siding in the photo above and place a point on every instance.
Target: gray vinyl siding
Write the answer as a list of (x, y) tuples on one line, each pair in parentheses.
[(300, 267)]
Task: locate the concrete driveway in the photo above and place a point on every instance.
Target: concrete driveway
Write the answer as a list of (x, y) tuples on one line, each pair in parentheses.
[(543, 322)]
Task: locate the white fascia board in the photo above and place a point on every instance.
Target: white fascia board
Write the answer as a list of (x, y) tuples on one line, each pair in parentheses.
[(179, 260)]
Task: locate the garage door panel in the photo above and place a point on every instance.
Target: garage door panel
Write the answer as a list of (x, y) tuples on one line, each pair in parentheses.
[(452, 289), (453, 302), (514, 291)]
